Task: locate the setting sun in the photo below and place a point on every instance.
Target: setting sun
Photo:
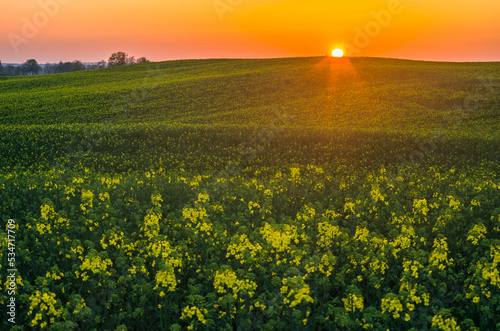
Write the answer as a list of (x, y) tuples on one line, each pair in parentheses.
[(337, 52)]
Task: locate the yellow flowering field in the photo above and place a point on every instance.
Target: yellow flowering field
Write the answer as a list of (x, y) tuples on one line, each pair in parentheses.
[(184, 218), (179, 250)]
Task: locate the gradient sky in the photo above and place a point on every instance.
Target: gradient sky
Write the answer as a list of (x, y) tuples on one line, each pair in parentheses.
[(90, 30)]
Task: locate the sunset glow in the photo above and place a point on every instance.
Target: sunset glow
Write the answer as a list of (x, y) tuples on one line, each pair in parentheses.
[(337, 52), (54, 30)]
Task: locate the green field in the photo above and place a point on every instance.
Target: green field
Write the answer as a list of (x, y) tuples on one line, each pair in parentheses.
[(301, 193)]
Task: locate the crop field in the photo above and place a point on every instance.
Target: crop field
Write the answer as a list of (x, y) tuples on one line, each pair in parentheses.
[(301, 193)]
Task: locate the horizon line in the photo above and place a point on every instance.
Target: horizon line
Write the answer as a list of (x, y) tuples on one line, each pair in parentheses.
[(272, 58)]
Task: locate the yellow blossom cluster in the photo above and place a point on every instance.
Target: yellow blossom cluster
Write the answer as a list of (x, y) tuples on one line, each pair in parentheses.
[(420, 206), (203, 198), (361, 234), (392, 305), (169, 255), (448, 324), (241, 244), (489, 271), (326, 264), (199, 221), (189, 312), (353, 302), (252, 206), (413, 266), (47, 212), (228, 280), (404, 240), (439, 256), (115, 239), (296, 291), (308, 213), (473, 292), (87, 200), (151, 225), (375, 193), (327, 234), (477, 233), (54, 275), (96, 264), (280, 239), (454, 202), (166, 279), (295, 172), (103, 196), (47, 303), (156, 199)]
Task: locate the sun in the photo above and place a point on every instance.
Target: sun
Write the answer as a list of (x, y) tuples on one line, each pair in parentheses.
[(337, 52)]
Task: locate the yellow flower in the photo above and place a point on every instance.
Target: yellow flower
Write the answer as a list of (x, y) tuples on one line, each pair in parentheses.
[(454, 202), (203, 197), (353, 302), (477, 233), (448, 324), (156, 199), (420, 206), (439, 256), (166, 279), (96, 264), (190, 312), (391, 304), (295, 172), (227, 280), (297, 289)]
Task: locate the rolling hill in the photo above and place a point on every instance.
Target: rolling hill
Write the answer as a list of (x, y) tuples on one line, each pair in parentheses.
[(325, 99), (300, 193)]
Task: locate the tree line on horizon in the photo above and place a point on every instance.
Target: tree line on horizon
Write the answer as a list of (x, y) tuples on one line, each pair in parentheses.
[(31, 66)]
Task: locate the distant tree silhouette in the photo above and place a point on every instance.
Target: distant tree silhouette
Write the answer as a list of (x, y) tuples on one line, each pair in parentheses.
[(48, 68), (1, 68), (142, 60), (118, 59), (130, 60), (30, 67), (9, 70), (69, 67)]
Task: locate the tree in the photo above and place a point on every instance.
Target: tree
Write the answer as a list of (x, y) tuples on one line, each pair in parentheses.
[(49, 68), (61, 67), (9, 70), (1, 68), (118, 59), (76, 66), (142, 60), (130, 60), (69, 67), (31, 67)]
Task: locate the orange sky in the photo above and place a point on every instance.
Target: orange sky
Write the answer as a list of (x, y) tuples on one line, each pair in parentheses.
[(90, 30)]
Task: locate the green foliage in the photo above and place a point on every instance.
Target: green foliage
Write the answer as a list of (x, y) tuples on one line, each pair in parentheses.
[(172, 196)]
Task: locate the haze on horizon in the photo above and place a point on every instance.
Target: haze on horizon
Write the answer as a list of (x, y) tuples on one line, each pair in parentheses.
[(66, 30)]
